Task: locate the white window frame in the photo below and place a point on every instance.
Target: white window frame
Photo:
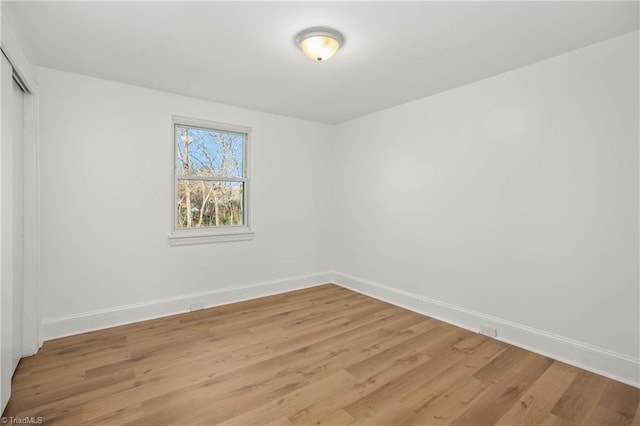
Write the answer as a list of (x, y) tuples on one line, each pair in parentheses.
[(209, 234)]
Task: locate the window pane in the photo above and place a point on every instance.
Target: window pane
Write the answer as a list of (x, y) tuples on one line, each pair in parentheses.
[(205, 152), (205, 203)]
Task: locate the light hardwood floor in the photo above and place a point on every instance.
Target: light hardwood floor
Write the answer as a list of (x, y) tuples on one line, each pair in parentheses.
[(324, 355)]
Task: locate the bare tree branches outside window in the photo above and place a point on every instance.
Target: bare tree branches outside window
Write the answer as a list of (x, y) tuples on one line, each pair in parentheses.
[(210, 177)]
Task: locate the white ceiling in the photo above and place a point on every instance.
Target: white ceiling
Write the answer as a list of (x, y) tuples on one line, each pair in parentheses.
[(242, 53)]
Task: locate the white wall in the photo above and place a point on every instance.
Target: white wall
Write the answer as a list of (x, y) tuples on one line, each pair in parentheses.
[(516, 197), (105, 168), (512, 202)]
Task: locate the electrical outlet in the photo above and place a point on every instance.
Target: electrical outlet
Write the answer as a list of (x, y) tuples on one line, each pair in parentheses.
[(196, 306), (488, 330)]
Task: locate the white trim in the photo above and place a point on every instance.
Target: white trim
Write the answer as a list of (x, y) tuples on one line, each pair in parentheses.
[(190, 237), (68, 325), (206, 235), (598, 360), (11, 49), (32, 339), (212, 178)]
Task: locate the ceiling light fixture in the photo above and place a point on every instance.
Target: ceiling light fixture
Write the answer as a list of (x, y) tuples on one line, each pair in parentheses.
[(319, 43)]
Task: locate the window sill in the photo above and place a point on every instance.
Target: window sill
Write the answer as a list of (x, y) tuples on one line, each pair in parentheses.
[(188, 237)]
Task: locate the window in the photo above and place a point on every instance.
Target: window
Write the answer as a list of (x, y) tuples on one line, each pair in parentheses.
[(210, 182)]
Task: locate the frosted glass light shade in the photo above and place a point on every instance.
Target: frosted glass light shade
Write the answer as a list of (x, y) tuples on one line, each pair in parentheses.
[(319, 44)]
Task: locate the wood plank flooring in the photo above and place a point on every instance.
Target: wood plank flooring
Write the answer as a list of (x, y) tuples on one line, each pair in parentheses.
[(324, 355)]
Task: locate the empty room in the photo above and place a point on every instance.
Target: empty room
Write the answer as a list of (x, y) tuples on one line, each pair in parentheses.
[(302, 213)]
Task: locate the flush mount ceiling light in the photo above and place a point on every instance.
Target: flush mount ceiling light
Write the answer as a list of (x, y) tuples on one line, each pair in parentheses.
[(319, 43)]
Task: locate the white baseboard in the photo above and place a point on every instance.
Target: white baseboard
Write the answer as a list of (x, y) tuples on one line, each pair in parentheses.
[(598, 360), (53, 328)]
